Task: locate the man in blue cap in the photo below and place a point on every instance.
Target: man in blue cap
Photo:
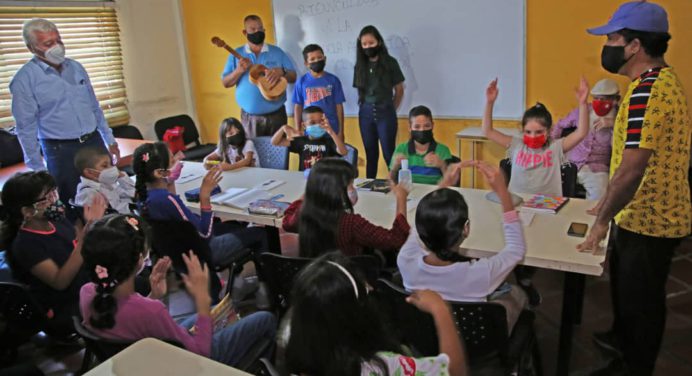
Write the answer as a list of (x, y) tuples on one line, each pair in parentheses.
[(648, 193)]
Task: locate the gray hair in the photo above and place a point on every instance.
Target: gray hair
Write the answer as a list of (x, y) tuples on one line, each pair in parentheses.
[(33, 25)]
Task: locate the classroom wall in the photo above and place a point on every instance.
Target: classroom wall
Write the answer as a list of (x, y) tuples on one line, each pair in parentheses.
[(558, 52), (155, 71)]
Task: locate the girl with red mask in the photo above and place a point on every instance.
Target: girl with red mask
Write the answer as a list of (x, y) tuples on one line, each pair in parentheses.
[(536, 160)]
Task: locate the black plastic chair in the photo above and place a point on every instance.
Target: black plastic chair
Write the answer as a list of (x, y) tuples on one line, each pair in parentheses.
[(191, 136), (173, 238), (266, 368), (482, 326), (127, 131), (568, 171), (21, 317), (271, 156), (279, 272), (99, 349)]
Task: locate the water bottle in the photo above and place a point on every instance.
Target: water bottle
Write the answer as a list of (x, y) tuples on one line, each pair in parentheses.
[(405, 179)]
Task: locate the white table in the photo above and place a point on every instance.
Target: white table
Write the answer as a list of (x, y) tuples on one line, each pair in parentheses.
[(475, 135), (548, 245), (152, 357)]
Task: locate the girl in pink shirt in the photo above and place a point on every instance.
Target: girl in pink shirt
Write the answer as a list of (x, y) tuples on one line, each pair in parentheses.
[(115, 251)]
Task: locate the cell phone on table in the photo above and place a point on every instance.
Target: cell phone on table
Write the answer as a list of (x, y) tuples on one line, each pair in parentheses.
[(578, 229)]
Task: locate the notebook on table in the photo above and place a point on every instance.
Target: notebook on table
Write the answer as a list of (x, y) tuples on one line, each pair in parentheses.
[(545, 204)]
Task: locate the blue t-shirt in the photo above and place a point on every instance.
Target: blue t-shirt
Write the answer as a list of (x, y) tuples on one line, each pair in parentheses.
[(248, 95), (324, 92)]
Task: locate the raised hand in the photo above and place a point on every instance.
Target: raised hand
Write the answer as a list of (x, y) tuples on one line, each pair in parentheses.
[(582, 92), (157, 278), (492, 175), (492, 91), (210, 181), (96, 209), (197, 278)]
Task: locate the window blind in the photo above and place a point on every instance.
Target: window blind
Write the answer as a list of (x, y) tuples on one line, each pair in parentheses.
[(91, 36)]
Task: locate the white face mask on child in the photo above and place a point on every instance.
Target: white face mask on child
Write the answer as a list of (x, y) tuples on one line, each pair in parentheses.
[(109, 176)]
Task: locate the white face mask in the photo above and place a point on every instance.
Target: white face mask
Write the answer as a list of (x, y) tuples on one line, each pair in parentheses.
[(109, 176), (56, 54)]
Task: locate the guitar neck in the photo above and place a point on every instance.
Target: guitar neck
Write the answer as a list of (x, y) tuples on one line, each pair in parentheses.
[(233, 52)]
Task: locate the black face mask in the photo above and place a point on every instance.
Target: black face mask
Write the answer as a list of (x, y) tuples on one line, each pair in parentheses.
[(318, 66), (372, 51), (256, 38), (235, 140), (422, 137), (613, 58)]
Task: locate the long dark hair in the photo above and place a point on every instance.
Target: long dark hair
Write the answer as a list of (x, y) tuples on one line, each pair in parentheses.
[(22, 190), (360, 75), (332, 331), (326, 200), (440, 219), (223, 145), (115, 242), (147, 159)]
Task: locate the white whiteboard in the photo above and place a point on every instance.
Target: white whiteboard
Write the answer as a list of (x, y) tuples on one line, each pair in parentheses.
[(448, 50)]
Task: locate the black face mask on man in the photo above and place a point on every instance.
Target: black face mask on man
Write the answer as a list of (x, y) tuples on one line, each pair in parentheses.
[(613, 58), (256, 37)]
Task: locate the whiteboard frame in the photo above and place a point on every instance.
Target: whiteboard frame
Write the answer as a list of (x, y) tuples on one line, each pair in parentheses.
[(523, 73)]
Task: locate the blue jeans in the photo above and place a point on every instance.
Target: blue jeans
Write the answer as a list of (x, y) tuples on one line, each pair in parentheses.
[(59, 156), (377, 123), (231, 343), (226, 246)]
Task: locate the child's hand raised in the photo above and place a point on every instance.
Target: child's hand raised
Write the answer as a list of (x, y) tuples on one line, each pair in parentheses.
[(197, 278), (398, 190), (210, 181), (582, 92), (453, 173), (427, 301), (492, 175), (96, 209), (324, 124), (492, 91), (157, 278)]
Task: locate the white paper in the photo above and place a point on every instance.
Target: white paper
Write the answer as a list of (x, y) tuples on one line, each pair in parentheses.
[(269, 184), (526, 217), (244, 199), (187, 177), (226, 195)]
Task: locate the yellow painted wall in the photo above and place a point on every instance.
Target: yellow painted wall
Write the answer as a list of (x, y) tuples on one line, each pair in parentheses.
[(558, 52)]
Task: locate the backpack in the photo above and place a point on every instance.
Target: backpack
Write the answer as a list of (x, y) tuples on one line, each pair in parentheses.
[(174, 138), (10, 149)]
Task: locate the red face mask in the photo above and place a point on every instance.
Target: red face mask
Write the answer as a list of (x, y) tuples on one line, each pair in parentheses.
[(535, 142), (602, 106)]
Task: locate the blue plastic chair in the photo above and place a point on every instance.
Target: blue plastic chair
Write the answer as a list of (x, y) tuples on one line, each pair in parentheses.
[(271, 156)]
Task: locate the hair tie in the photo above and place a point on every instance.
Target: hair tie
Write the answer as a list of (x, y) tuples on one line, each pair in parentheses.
[(132, 221), (145, 157), (350, 277), (101, 272)]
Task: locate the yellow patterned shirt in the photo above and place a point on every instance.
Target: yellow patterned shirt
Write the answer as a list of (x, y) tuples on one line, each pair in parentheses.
[(653, 115)]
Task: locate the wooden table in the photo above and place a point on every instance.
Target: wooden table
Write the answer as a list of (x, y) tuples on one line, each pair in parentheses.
[(127, 149), (549, 246), (152, 357), (475, 135)]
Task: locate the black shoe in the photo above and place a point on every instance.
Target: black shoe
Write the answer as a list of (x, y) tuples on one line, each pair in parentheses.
[(534, 296), (614, 367), (608, 342)]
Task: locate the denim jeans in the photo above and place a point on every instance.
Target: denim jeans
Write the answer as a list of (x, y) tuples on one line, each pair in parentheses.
[(377, 124), (226, 246), (59, 156), (231, 343)]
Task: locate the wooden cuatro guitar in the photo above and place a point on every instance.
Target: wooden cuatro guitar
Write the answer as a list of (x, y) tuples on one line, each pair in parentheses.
[(257, 75)]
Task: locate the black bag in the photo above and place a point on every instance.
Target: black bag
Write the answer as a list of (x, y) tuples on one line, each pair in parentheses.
[(10, 149)]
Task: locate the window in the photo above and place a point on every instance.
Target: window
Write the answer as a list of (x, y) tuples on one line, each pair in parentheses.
[(91, 36)]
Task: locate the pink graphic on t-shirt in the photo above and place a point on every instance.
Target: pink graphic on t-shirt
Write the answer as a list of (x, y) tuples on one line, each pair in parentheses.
[(316, 94), (534, 160), (408, 365)]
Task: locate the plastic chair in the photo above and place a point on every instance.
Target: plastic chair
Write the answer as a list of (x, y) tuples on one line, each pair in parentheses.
[(279, 272), (568, 172), (266, 368), (21, 317), (352, 157), (482, 326), (191, 136), (271, 156), (99, 349), (127, 131)]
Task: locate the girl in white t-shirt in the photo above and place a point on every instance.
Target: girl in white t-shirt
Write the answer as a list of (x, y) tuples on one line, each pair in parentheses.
[(536, 160), (234, 149)]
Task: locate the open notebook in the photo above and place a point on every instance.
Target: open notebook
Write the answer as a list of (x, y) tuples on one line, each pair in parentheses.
[(240, 198)]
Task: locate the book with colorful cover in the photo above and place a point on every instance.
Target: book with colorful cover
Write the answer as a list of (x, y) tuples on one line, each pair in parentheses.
[(545, 204), (374, 185)]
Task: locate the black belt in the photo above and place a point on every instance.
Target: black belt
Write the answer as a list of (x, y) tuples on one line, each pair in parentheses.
[(82, 139)]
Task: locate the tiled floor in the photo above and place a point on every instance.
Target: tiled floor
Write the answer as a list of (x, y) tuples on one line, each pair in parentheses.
[(675, 358)]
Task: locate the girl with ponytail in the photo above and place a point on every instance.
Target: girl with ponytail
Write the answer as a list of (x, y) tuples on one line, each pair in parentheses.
[(156, 171), (115, 251)]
